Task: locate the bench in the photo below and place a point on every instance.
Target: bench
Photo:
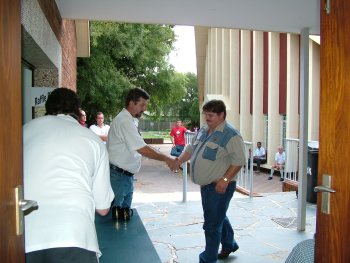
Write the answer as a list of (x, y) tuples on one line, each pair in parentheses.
[(290, 185), (121, 241)]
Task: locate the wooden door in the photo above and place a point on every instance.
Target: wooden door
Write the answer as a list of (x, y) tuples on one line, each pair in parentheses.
[(11, 245), (333, 230)]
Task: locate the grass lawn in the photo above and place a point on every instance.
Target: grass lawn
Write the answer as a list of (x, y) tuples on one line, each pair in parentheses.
[(155, 134)]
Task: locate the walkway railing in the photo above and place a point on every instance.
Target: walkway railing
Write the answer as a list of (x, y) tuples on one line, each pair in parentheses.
[(188, 138), (245, 176), (292, 157)]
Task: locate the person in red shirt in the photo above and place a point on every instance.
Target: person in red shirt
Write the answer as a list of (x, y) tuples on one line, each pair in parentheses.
[(177, 137)]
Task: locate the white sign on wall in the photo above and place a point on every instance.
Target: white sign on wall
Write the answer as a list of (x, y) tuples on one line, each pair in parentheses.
[(39, 95)]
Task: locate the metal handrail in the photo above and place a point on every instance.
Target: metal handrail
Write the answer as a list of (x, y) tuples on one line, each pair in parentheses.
[(245, 176)]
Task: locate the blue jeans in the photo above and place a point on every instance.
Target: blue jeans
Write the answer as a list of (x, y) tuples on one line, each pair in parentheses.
[(217, 227), (123, 188), (179, 149)]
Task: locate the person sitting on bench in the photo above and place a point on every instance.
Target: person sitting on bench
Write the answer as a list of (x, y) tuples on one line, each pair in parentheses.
[(280, 160), (259, 156)]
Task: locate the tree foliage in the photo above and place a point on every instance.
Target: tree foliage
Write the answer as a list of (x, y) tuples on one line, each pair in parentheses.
[(189, 106), (124, 56)]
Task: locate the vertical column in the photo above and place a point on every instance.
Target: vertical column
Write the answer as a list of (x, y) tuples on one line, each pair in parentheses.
[(258, 129), (292, 86), (245, 117), (273, 97), (314, 85), (233, 114), (213, 56), (303, 130), (226, 63), (207, 70), (219, 59)]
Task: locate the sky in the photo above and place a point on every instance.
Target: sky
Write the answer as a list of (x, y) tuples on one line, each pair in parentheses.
[(183, 58)]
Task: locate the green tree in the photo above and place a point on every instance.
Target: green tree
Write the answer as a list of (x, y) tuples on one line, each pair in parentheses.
[(189, 106), (124, 56)]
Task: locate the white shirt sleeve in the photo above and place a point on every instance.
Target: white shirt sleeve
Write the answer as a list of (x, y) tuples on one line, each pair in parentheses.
[(132, 138)]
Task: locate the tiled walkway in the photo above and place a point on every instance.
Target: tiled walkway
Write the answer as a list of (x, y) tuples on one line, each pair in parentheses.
[(265, 227)]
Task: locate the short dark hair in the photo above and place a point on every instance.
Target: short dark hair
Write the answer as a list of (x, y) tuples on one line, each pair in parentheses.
[(216, 106), (63, 101), (135, 94)]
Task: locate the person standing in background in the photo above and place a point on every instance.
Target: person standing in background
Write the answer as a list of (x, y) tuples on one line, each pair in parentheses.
[(126, 147), (66, 170), (82, 119), (100, 128), (217, 155), (177, 137)]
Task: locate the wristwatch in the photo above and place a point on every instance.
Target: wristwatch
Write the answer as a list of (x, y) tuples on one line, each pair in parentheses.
[(225, 179)]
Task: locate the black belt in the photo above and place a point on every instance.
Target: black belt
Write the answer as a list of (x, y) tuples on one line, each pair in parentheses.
[(120, 170)]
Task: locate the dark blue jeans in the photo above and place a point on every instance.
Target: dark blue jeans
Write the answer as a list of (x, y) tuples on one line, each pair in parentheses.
[(179, 149), (123, 188), (217, 227)]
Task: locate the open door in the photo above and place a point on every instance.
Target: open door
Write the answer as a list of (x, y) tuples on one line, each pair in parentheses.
[(333, 228), (11, 243)]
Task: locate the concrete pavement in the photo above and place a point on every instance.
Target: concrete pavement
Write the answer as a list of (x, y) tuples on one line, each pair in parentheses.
[(265, 227)]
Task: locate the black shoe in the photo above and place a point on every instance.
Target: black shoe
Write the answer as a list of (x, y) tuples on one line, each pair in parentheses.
[(270, 178), (282, 179), (127, 213), (224, 254)]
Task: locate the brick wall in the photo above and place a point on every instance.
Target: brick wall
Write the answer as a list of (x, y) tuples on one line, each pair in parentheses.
[(69, 54), (66, 36)]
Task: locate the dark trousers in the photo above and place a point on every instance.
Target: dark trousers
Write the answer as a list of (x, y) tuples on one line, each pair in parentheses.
[(217, 227), (177, 150), (258, 162), (62, 255)]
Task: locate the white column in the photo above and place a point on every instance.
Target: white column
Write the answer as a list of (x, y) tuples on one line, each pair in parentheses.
[(226, 63), (245, 117), (258, 85), (213, 56), (314, 92), (304, 97), (233, 115), (273, 97), (207, 72), (292, 130), (218, 66)]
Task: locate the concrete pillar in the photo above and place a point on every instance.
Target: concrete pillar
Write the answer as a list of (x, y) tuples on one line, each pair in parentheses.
[(274, 120), (233, 115), (245, 116), (219, 58), (213, 55), (258, 129), (292, 129), (314, 91), (226, 63)]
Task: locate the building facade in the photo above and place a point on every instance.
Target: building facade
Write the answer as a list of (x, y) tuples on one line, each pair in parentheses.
[(257, 75), (50, 46)]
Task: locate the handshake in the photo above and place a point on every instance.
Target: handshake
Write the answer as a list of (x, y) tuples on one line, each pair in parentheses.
[(173, 164)]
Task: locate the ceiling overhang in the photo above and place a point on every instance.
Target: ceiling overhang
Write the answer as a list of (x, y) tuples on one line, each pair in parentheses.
[(266, 15)]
